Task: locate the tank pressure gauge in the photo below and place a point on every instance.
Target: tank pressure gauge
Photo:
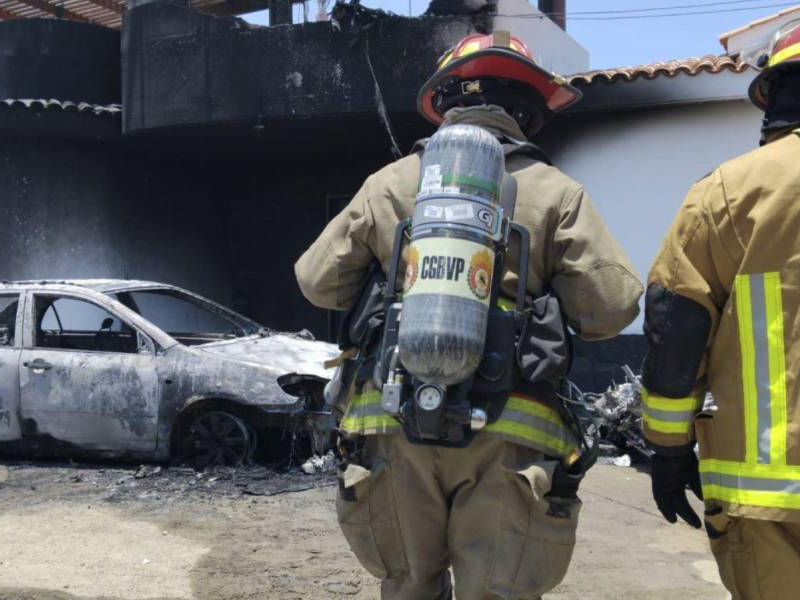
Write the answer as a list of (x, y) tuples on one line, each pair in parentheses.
[(429, 397)]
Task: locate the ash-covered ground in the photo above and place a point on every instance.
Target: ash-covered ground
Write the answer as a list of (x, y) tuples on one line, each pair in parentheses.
[(100, 531)]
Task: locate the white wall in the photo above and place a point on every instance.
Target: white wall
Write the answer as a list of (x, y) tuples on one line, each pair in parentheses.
[(551, 46), (637, 166)]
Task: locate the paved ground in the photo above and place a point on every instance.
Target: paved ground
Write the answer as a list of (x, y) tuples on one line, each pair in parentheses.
[(98, 532)]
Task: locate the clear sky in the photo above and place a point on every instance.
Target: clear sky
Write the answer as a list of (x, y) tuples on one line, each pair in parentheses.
[(618, 42)]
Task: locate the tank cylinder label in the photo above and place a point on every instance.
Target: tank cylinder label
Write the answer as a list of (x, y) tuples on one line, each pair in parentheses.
[(450, 266)]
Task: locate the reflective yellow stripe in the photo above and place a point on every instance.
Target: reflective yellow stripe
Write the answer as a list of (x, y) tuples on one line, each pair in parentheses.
[(519, 422), (682, 427), (751, 497), (738, 469), (744, 315), (360, 424), (364, 399), (469, 49), (759, 311), (533, 407), (444, 62), (773, 486), (364, 415), (785, 54), (554, 445), (506, 305), (670, 404), (777, 368)]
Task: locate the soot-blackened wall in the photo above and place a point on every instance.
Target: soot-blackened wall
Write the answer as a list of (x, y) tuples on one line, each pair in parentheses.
[(182, 67), (86, 209), (64, 60)]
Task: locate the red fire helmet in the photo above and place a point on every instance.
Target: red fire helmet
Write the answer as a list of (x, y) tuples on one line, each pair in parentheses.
[(782, 54), (499, 55)]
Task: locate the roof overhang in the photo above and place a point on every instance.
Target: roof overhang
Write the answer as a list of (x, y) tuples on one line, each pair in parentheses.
[(109, 12), (738, 39), (604, 95), (689, 81)]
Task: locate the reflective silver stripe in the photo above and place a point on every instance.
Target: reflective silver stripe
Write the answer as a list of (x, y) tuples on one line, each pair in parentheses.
[(759, 316), (537, 423), (786, 486), (672, 417)]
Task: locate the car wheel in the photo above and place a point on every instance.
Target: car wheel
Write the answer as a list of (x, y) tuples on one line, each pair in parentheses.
[(253, 443), (217, 438)]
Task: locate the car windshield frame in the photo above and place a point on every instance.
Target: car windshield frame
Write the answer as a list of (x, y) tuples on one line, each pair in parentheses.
[(246, 327)]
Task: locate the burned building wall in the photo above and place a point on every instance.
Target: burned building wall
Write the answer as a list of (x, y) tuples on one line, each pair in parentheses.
[(83, 209), (60, 59), (299, 204), (79, 201), (181, 67)]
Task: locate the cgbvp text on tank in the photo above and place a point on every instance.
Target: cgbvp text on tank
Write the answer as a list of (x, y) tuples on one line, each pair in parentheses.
[(442, 267)]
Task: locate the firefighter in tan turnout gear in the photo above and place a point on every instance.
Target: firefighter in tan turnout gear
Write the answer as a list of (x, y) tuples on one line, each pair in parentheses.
[(722, 309), (498, 506)]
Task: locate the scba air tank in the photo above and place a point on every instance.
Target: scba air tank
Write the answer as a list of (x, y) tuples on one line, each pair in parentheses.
[(451, 258)]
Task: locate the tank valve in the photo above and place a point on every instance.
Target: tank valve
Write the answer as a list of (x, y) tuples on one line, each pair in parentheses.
[(478, 419)]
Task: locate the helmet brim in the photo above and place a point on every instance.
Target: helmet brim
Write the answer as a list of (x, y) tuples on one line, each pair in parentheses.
[(503, 63), (759, 87)]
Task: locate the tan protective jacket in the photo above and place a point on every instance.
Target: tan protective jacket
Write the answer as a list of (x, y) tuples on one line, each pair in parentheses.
[(734, 249), (571, 250)]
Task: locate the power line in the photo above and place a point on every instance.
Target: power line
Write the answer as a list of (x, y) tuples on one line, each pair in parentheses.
[(620, 17), (685, 14), (662, 8)]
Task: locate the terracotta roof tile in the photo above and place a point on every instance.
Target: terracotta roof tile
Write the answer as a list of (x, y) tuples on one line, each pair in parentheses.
[(689, 66), (66, 106)]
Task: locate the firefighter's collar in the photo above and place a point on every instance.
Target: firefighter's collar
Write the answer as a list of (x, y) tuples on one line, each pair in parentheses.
[(488, 116)]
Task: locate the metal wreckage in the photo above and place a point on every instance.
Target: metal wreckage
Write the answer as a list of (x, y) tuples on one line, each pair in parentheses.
[(614, 418)]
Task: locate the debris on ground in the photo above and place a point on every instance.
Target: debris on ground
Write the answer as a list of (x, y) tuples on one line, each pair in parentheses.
[(622, 461), (146, 471), (159, 485), (615, 417), (320, 464)]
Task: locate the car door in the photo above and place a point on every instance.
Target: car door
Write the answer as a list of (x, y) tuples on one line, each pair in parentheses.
[(87, 377), (10, 343)]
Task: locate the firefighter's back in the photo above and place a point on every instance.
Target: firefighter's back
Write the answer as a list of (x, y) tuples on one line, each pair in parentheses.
[(755, 431)]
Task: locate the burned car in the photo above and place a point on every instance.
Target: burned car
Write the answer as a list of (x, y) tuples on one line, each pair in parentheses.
[(147, 370)]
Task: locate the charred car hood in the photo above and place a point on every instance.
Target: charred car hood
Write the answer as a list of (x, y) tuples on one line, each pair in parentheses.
[(286, 353)]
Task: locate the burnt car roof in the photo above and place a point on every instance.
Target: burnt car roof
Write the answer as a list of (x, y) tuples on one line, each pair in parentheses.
[(99, 285)]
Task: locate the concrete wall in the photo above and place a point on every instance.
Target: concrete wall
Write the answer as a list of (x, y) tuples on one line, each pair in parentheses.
[(552, 47), (637, 166)]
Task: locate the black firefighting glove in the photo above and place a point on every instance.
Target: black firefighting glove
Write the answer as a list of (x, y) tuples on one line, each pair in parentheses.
[(671, 475)]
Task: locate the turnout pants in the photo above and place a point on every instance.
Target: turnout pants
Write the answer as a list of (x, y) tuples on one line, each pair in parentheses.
[(410, 512), (758, 560)]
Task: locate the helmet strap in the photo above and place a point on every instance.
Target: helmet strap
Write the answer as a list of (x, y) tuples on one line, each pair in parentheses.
[(522, 102)]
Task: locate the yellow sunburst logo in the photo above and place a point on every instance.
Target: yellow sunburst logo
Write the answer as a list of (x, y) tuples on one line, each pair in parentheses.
[(480, 274), (412, 270)]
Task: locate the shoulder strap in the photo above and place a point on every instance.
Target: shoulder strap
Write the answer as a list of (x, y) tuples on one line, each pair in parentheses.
[(528, 149)]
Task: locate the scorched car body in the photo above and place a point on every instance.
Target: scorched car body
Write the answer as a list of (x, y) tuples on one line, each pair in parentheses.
[(138, 368)]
